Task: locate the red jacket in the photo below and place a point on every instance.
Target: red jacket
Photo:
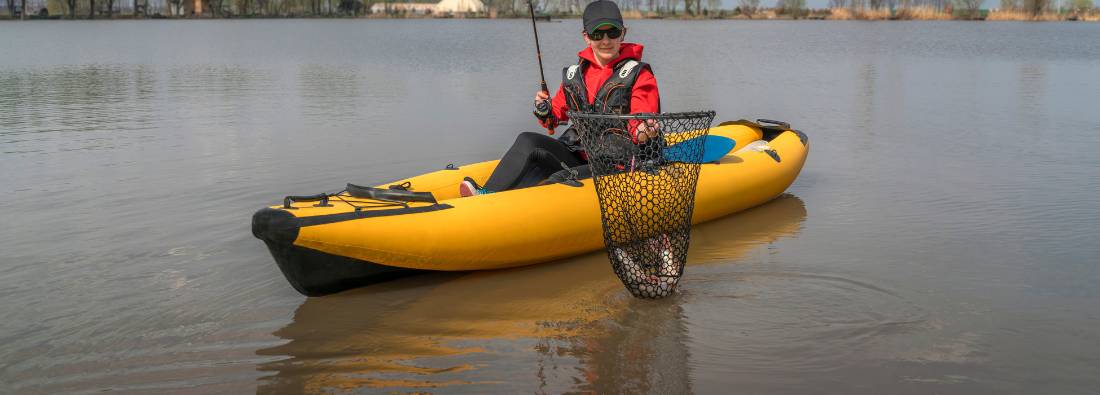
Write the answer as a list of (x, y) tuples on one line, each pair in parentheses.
[(644, 97)]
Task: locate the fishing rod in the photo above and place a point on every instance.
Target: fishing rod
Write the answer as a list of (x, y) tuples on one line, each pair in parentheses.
[(538, 52)]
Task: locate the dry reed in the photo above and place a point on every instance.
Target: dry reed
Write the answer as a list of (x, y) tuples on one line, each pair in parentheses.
[(1017, 15), (923, 13), (841, 14), (874, 14)]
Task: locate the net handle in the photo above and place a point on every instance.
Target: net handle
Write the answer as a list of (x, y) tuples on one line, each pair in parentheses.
[(642, 115)]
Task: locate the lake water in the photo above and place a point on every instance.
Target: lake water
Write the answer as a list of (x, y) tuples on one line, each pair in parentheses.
[(944, 236)]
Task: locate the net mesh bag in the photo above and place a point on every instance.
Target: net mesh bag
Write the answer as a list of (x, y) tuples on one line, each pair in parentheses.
[(646, 189)]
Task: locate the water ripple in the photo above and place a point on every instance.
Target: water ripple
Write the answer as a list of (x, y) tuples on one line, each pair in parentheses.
[(798, 321)]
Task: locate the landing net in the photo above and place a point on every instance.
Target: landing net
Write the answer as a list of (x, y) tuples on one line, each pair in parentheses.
[(646, 191)]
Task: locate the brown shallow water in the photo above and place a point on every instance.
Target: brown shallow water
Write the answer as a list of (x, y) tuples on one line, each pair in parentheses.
[(942, 238)]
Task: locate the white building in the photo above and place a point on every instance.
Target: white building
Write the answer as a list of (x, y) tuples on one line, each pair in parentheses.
[(459, 6), (412, 8), (445, 7)]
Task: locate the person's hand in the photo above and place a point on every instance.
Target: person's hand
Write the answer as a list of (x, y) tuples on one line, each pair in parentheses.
[(542, 104), (647, 130)]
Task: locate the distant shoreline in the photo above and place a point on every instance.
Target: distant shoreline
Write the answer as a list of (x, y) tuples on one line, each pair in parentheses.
[(919, 13)]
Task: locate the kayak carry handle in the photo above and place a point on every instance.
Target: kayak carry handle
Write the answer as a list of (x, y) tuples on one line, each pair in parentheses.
[(781, 124), (322, 198)]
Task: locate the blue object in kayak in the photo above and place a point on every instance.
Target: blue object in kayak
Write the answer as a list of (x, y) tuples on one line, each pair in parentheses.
[(714, 148)]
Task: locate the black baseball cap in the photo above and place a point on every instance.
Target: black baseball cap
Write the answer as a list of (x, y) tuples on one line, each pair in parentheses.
[(599, 13)]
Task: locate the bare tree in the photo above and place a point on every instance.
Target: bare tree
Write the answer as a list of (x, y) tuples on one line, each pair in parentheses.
[(968, 7), (1080, 6), (216, 7), (793, 7), (175, 7), (838, 3), (748, 7), (670, 6), (1036, 7)]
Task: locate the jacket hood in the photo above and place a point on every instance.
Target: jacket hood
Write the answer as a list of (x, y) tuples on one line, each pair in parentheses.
[(626, 51)]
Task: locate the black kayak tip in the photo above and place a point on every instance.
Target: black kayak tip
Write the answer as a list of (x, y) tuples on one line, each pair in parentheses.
[(275, 226)]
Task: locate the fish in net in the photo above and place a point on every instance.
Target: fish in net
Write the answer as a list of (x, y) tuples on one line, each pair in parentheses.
[(646, 190)]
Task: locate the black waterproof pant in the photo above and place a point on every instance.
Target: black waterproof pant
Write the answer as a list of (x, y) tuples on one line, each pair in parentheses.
[(532, 158)]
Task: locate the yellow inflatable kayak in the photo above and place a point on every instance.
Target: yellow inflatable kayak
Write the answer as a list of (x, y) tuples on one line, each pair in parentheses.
[(330, 242)]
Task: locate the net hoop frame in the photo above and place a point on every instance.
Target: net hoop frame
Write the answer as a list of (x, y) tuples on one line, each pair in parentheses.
[(643, 115)]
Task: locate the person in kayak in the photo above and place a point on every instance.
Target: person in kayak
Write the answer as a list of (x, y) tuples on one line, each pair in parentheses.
[(609, 77)]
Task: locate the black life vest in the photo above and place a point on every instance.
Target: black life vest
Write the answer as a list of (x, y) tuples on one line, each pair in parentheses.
[(613, 96)]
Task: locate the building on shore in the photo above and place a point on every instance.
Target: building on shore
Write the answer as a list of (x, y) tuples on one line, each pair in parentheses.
[(402, 8), (444, 7), (460, 7)]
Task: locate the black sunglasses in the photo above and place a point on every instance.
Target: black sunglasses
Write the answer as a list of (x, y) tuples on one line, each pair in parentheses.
[(612, 33)]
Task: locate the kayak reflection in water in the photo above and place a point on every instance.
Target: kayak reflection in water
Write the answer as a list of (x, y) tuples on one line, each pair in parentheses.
[(609, 77)]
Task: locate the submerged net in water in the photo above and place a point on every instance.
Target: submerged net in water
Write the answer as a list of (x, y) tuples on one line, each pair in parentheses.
[(646, 189)]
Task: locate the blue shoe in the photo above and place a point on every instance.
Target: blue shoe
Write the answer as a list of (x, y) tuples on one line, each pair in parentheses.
[(469, 187)]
